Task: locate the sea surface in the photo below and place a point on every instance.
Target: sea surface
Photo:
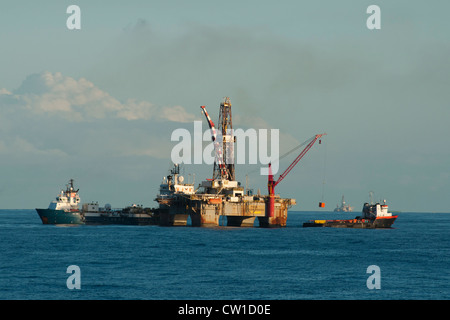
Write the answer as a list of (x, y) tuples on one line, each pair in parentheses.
[(152, 262)]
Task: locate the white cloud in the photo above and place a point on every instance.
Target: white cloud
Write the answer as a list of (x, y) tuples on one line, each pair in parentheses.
[(80, 100), (19, 146), (176, 114), (5, 92), (52, 115), (134, 110)]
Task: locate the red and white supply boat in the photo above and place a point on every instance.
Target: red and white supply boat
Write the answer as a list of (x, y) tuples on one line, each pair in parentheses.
[(373, 216)]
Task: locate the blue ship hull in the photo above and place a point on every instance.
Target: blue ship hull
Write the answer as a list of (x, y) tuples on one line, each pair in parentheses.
[(50, 216)]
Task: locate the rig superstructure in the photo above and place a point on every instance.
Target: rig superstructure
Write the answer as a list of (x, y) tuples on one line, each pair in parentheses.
[(222, 195)]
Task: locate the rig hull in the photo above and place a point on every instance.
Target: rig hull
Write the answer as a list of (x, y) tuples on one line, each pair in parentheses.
[(208, 210), (167, 219)]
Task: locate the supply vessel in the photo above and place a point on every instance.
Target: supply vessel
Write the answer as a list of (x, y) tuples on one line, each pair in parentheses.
[(373, 216), (63, 210), (222, 195)]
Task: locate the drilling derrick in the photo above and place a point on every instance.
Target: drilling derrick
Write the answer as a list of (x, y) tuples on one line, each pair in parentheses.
[(226, 126)]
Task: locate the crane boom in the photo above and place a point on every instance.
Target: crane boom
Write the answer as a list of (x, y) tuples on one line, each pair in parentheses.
[(299, 157), (271, 183), (210, 123), (217, 145)]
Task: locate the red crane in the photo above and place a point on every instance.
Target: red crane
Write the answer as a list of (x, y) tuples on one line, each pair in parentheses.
[(217, 145), (271, 183)]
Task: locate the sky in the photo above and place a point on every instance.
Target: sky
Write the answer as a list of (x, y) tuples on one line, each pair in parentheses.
[(99, 104)]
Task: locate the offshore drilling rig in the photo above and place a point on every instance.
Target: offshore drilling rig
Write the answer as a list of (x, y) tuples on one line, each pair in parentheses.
[(222, 195)]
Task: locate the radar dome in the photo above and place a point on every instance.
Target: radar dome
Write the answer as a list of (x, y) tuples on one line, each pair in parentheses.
[(108, 206), (180, 179)]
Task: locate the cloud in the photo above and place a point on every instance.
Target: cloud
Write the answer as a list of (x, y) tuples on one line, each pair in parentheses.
[(3, 91), (19, 145), (80, 100), (51, 115), (177, 114)]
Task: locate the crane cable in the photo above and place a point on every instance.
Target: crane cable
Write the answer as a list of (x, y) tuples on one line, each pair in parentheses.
[(287, 153), (294, 149), (324, 170)]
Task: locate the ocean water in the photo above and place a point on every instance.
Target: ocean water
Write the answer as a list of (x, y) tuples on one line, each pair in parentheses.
[(152, 262)]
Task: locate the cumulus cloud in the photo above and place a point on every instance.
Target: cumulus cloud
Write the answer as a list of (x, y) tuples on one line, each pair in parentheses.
[(51, 115), (80, 100), (19, 145), (3, 91)]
